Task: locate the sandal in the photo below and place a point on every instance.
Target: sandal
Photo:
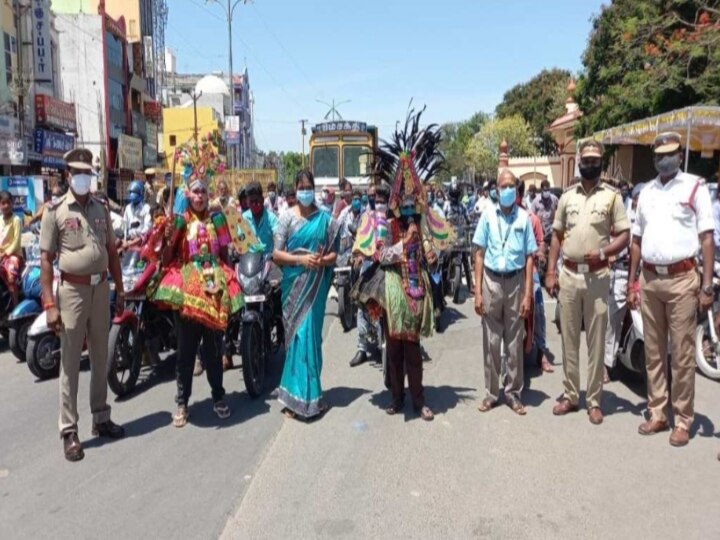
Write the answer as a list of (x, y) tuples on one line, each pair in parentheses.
[(289, 414), (394, 409), (486, 405), (517, 407), (180, 418), (426, 413), (221, 409)]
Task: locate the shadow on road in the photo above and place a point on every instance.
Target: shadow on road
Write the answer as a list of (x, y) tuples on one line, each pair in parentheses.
[(151, 376), (439, 398), (343, 396), (449, 316), (136, 428)]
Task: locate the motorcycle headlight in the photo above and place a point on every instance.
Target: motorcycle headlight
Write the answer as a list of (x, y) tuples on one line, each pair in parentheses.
[(251, 285)]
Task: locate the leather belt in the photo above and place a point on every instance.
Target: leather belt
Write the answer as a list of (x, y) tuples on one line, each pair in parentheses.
[(584, 268), (90, 279), (502, 275), (670, 269)]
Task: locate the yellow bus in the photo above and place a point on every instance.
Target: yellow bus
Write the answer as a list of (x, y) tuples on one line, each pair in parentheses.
[(342, 149)]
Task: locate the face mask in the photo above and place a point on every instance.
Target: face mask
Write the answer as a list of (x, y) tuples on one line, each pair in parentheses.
[(493, 194), (356, 205), (590, 172), (545, 195), (305, 197), (381, 208), (272, 195), (364, 199), (667, 165), (80, 184), (508, 196), (371, 202), (55, 198)]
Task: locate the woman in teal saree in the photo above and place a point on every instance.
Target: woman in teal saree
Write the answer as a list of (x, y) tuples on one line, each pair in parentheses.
[(306, 248)]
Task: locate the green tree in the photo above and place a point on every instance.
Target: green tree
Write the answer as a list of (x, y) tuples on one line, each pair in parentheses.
[(646, 57), (456, 137), (483, 151), (539, 101), (292, 163)]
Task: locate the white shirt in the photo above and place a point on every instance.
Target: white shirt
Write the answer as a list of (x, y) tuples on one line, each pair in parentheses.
[(669, 222), (482, 204), (140, 214)]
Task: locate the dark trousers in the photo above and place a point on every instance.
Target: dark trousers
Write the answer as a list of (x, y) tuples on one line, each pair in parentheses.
[(468, 272), (190, 335), (404, 356)]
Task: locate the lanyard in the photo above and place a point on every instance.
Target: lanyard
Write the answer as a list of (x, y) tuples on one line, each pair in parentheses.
[(507, 232)]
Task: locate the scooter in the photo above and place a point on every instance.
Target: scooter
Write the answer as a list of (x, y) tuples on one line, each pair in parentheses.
[(707, 343), (26, 311), (258, 330)]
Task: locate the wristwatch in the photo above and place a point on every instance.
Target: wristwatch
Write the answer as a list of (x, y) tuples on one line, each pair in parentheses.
[(602, 254), (708, 290)]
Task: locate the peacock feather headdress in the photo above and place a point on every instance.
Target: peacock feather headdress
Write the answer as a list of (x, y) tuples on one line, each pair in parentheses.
[(200, 161)]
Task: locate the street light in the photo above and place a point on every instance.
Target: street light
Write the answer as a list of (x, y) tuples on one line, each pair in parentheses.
[(333, 108), (229, 12)]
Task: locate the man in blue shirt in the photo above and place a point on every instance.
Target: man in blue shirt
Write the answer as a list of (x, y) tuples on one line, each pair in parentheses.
[(504, 290), (263, 221)]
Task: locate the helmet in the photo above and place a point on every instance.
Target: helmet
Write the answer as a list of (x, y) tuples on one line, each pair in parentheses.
[(136, 192)]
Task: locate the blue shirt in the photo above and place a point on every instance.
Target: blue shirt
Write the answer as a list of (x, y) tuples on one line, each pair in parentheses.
[(494, 228), (263, 230)]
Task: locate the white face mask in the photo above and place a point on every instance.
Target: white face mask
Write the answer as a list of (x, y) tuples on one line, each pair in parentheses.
[(80, 184)]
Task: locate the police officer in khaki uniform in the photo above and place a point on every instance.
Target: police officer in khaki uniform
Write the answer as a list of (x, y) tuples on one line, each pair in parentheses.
[(150, 196), (77, 229), (586, 214)]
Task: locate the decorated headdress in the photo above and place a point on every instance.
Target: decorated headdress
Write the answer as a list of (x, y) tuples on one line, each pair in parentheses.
[(201, 164), (408, 160)]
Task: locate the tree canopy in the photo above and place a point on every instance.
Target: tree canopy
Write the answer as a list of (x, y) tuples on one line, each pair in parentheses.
[(539, 101), (456, 137), (483, 150), (646, 57)]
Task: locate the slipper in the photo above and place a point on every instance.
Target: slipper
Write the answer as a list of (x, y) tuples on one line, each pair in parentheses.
[(426, 414), (289, 414), (180, 418), (394, 409), (486, 405), (517, 407), (547, 367), (221, 409)]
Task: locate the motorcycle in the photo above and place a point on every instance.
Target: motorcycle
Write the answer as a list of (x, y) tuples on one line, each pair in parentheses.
[(259, 327), (707, 343), (344, 278), (26, 311), (141, 332)]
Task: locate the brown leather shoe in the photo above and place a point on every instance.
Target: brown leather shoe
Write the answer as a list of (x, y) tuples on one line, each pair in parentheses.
[(108, 429), (679, 436), (595, 415), (72, 447), (227, 363), (651, 427), (563, 407)]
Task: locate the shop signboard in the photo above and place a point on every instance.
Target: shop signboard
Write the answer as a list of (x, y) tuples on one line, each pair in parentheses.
[(130, 152)]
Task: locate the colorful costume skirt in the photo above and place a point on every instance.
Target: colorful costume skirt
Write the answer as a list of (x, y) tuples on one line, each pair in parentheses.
[(407, 319), (183, 288)]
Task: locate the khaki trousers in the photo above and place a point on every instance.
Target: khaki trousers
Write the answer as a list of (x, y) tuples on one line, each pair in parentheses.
[(583, 296), (502, 298), (669, 308), (85, 311)]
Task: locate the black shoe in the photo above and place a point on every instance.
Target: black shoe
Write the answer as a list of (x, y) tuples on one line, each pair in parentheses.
[(72, 447), (359, 358), (108, 429)]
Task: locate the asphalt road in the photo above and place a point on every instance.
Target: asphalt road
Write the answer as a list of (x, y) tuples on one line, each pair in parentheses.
[(357, 473)]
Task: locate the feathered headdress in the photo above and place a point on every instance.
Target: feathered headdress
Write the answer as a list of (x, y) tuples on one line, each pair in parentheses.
[(201, 164), (408, 160)]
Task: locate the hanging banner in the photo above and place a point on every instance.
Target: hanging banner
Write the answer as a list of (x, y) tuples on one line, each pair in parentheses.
[(130, 151), (42, 49), (24, 193), (54, 113)]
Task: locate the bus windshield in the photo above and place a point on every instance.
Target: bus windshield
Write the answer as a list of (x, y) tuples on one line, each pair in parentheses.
[(325, 162), (357, 160)]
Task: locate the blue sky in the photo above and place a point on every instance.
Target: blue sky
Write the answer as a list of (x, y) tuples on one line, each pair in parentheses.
[(456, 56)]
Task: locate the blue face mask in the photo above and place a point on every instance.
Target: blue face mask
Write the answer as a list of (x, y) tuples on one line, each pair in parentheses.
[(356, 205), (364, 200), (305, 197), (493, 194), (508, 196)]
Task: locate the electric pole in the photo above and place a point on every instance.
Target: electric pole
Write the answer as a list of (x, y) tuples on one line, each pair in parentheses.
[(304, 132)]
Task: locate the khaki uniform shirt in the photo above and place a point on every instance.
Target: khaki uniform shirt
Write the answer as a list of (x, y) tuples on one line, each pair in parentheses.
[(586, 219), (78, 235), (150, 196)]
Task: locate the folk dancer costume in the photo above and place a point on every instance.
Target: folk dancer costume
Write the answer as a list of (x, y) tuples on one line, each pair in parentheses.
[(399, 284), (198, 284)]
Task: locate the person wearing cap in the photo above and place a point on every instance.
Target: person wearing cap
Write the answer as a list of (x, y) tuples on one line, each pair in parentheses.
[(587, 213), (504, 291), (77, 230), (150, 186), (617, 300), (674, 225)]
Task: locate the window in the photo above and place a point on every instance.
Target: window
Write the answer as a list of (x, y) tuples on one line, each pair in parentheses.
[(114, 50), (356, 161), (325, 162), (7, 48)]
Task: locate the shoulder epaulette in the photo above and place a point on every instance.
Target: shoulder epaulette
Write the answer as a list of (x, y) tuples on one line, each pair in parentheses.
[(52, 205), (610, 187)]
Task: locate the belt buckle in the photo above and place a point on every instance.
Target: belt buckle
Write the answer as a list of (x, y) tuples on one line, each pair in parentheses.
[(583, 268), (95, 279), (662, 270)]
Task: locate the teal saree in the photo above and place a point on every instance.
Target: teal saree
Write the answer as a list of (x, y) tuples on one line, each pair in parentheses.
[(304, 295)]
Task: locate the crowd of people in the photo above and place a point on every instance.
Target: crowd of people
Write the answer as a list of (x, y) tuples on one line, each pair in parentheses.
[(591, 248)]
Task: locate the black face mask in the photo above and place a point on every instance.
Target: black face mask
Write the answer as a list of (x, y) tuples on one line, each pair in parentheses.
[(371, 202), (590, 172)]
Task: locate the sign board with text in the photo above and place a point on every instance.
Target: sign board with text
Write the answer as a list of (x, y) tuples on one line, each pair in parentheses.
[(41, 44), (54, 113), (130, 152)]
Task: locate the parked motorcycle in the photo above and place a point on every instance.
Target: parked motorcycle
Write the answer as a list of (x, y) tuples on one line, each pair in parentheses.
[(707, 343), (259, 327), (344, 279), (26, 311), (142, 331)]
